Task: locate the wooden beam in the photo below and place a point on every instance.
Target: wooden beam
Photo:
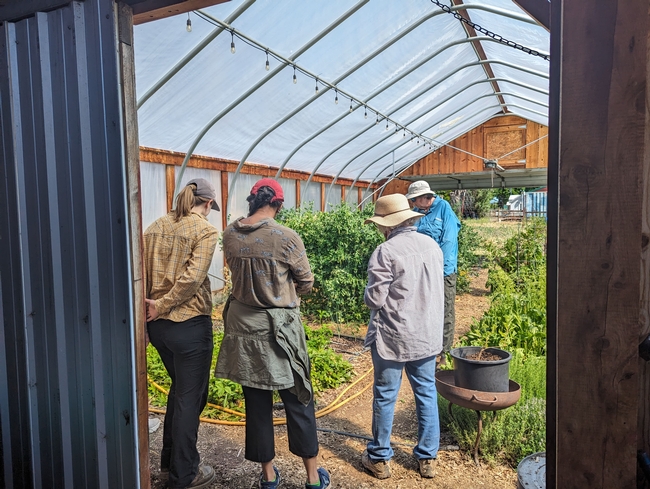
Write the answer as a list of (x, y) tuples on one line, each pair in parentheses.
[(152, 155), (134, 207), (297, 194), (643, 417), (342, 193), (539, 10), (322, 197), (598, 143), (224, 199), (148, 10), (480, 52), (170, 185), (359, 195)]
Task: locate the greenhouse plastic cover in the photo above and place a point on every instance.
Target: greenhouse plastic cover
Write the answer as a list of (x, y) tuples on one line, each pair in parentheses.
[(405, 63)]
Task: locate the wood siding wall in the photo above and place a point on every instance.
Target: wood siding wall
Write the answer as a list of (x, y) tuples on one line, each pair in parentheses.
[(491, 140)]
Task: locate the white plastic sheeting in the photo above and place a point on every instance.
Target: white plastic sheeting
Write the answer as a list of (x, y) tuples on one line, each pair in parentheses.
[(407, 60), (153, 192)]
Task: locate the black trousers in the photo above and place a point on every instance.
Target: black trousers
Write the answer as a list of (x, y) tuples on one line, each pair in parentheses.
[(301, 425), (186, 351)]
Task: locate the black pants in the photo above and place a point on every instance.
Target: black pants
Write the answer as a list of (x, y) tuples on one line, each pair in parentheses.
[(301, 425), (186, 350)]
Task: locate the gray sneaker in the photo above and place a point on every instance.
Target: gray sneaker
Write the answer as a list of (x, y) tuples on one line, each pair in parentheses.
[(204, 477), (380, 469), (427, 467)]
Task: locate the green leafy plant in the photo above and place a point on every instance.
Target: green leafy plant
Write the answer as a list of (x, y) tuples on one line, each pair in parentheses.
[(329, 370), (338, 245), (468, 243)]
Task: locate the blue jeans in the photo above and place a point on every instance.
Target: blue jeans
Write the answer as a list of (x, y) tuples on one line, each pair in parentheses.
[(388, 378)]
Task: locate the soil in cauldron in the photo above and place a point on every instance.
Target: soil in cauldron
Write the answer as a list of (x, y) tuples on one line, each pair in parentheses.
[(483, 356)]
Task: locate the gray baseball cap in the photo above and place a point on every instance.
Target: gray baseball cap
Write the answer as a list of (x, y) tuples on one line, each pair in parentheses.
[(206, 190)]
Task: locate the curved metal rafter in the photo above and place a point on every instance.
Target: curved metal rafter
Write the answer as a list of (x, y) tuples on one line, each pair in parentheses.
[(417, 23), (400, 77), (492, 107), (260, 83), (406, 167), (428, 109), (474, 100), (192, 54)]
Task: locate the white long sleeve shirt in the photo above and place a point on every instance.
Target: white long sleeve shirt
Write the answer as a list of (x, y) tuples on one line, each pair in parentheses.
[(405, 294)]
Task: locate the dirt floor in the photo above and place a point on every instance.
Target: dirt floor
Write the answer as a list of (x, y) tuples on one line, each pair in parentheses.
[(223, 446)]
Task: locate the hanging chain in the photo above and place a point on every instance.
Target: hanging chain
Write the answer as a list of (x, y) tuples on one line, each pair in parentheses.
[(491, 34)]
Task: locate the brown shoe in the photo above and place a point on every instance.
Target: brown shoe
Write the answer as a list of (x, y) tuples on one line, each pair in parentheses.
[(204, 477), (427, 467), (380, 469)]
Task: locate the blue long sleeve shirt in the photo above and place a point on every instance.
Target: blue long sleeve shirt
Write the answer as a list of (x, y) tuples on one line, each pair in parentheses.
[(441, 224)]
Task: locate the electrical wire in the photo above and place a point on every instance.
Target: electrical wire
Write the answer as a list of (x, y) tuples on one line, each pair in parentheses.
[(331, 407)]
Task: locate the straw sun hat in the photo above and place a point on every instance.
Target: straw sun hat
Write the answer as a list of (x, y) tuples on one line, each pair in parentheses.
[(391, 210)]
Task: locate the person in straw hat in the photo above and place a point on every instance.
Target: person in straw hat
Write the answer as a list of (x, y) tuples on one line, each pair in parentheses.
[(405, 295)]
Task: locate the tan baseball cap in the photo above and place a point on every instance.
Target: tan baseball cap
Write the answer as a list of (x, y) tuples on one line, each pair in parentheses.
[(206, 190)]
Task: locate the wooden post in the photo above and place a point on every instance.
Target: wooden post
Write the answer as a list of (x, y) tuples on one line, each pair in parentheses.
[(170, 185), (297, 194), (343, 193), (359, 195), (322, 197), (132, 157), (643, 418), (224, 199), (594, 241)]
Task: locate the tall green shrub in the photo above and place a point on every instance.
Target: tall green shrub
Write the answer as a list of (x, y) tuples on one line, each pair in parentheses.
[(339, 246)]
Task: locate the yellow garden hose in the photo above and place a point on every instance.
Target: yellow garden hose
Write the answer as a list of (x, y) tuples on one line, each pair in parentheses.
[(334, 405)]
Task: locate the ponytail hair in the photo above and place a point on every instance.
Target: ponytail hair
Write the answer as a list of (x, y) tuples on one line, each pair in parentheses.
[(261, 199), (186, 201)]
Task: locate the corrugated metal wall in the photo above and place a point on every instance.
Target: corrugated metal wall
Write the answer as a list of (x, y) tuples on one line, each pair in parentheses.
[(66, 358)]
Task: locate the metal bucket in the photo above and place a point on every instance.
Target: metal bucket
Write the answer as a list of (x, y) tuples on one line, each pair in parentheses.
[(531, 472), (481, 375)]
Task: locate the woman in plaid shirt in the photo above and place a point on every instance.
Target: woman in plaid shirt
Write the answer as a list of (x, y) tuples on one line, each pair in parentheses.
[(178, 250)]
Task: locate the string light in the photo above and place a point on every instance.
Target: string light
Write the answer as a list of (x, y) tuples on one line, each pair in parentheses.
[(287, 62)]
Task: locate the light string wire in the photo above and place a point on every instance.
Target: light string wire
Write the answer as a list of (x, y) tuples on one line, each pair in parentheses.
[(298, 69)]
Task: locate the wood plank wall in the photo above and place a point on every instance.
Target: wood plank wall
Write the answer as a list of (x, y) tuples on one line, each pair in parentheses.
[(171, 159), (490, 140)]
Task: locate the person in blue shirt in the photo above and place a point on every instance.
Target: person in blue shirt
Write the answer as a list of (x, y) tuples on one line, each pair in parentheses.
[(440, 223)]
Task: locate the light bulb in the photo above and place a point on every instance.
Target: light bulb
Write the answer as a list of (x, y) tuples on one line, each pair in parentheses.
[(189, 24), (295, 80), (404, 133), (350, 106), (377, 121), (232, 42), (336, 98), (267, 66), (365, 112)]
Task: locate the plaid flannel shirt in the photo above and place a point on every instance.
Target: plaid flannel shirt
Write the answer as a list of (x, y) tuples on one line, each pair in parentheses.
[(177, 256)]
